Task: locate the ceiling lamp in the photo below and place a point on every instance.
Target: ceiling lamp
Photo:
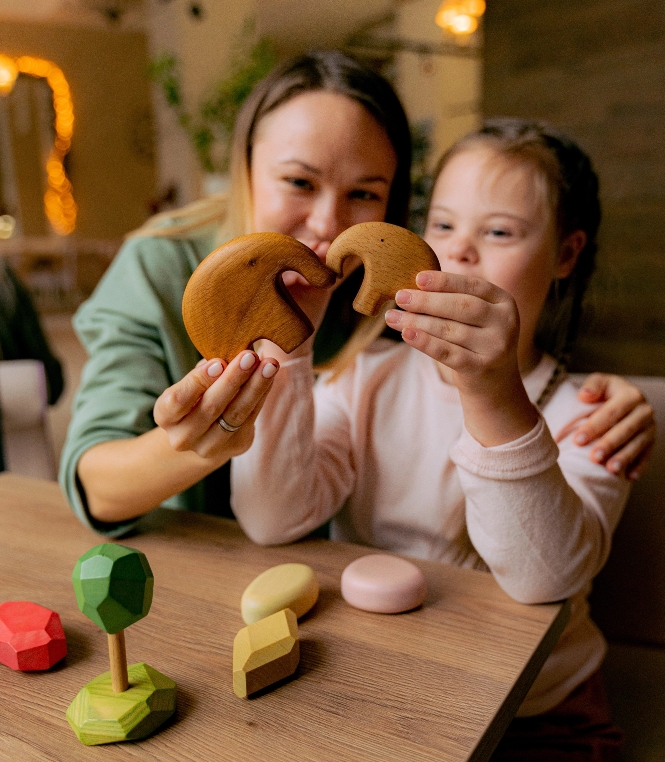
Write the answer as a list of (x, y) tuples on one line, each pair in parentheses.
[(59, 203), (460, 17)]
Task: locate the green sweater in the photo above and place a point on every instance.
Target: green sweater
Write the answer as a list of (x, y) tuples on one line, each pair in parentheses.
[(133, 331)]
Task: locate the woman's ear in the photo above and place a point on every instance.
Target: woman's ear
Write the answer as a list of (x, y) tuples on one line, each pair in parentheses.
[(569, 250)]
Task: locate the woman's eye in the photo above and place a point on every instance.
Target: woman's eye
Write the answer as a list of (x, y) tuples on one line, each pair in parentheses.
[(364, 195)]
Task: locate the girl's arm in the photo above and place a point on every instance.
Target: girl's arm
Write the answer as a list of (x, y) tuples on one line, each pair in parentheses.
[(623, 428), (298, 472), (540, 515), (125, 478)]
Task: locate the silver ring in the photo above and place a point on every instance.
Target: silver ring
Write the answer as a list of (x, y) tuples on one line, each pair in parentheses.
[(226, 426)]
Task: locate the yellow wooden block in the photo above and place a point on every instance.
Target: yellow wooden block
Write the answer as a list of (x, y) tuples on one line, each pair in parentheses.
[(287, 586), (265, 652)]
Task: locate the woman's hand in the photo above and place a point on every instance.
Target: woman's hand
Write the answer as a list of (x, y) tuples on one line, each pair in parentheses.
[(190, 410), (623, 427), (472, 327)]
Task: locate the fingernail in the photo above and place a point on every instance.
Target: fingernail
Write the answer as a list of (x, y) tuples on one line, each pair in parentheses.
[(614, 466), (247, 361), (394, 317), (581, 439), (402, 297), (215, 369), (269, 370), (409, 333), (423, 280), (598, 455)]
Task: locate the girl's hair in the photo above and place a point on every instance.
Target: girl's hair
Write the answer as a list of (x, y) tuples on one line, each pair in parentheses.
[(571, 190)]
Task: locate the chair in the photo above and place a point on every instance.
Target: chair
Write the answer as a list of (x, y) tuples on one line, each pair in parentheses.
[(26, 442), (628, 602)]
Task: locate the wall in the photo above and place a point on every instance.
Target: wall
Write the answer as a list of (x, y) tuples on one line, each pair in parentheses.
[(111, 163), (597, 70)]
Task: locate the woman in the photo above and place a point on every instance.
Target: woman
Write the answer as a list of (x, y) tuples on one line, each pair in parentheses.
[(343, 157)]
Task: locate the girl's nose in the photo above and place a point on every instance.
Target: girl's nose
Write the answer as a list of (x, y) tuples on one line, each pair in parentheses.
[(461, 248)]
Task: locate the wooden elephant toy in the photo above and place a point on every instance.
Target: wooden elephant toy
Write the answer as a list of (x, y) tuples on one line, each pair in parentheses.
[(236, 296), (392, 257)]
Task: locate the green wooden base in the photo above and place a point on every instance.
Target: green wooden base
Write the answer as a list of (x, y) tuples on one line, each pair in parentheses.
[(99, 715)]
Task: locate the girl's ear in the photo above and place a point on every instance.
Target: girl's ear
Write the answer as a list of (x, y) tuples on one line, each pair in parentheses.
[(569, 250)]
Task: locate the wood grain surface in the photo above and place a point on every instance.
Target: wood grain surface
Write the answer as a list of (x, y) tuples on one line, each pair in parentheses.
[(438, 683)]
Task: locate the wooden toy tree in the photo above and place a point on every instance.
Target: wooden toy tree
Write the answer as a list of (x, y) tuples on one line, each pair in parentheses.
[(113, 586)]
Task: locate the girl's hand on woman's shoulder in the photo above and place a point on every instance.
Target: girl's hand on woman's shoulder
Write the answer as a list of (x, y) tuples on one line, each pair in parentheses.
[(623, 427), (212, 410)]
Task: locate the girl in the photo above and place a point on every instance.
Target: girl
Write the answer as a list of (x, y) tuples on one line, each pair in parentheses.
[(457, 444), (322, 143)]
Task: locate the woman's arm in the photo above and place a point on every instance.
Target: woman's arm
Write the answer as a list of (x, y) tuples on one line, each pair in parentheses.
[(623, 427), (125, 478)]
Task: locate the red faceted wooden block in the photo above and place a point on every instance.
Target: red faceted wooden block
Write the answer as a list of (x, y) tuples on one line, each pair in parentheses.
[(31, 636)]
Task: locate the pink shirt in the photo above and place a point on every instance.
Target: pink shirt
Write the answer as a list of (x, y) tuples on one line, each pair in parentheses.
[(383, 452)]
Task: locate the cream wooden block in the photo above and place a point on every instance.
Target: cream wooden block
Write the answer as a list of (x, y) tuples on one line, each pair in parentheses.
[(287, 586), (265, 652), (392, 257)]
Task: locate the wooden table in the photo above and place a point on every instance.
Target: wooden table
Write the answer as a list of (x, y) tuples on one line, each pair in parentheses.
[(439, 683)]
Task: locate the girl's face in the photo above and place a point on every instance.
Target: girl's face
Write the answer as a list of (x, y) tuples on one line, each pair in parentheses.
[(320, 163), (489, 218)]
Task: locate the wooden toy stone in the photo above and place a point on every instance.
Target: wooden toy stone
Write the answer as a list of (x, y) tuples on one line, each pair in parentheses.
[(286, 586), (392, 257), (383, 584), (31, 636), (113, 586), (265, 652), (236, 295)]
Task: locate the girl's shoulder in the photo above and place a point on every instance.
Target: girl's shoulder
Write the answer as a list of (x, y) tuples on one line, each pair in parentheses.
[(564, 412)]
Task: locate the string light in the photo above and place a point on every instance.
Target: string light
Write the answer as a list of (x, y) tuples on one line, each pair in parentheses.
[(460, 17), (59, 203)]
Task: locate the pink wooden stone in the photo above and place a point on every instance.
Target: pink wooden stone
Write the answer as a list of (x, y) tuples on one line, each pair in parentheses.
[(383, 584), (31, 636)]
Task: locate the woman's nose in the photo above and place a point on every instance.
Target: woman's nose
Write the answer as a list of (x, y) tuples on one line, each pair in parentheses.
[(325, 220)]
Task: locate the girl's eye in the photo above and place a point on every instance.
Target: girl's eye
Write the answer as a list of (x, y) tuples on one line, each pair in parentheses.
[(440, 225), (500, 232)]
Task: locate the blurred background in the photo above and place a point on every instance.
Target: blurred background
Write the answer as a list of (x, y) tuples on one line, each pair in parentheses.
[(113, 110)]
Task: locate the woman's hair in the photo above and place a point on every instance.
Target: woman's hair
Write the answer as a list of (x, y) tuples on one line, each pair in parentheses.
[(330, 71), (571, 190)]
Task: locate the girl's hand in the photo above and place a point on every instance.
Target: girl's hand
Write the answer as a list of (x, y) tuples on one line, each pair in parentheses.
[(472, 327), (189, 410), (467, 324), (624, 425)]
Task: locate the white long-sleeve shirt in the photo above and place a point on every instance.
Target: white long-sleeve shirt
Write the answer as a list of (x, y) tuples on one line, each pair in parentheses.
[(383, 452)]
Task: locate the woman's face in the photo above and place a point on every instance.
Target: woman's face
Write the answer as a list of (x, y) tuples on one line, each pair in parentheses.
[(320, 163)]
